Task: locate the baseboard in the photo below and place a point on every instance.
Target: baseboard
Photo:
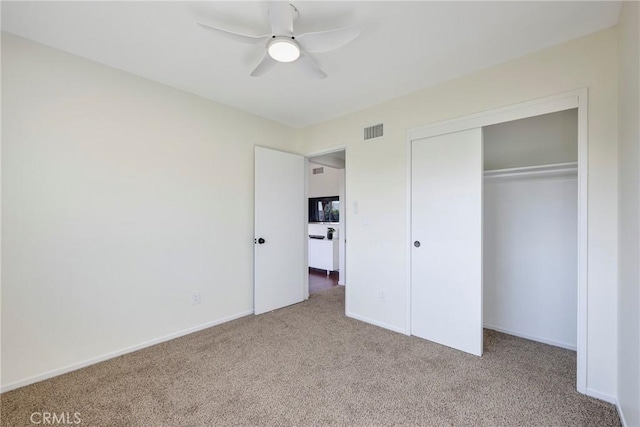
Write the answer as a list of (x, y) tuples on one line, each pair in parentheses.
[(531, 337), (376, 323), (621, 414), (111, 355), (602, 396)]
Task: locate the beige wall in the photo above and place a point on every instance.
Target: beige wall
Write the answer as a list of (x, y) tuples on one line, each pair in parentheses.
[(629, 215), (377, 171), (120, 197)]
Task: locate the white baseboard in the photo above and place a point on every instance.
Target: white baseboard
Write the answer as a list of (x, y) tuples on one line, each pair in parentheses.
[(621, 414), (376, 323), (531, 337), (602, 396), (111, 355)]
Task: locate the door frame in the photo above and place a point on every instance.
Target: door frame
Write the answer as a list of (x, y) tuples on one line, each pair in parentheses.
[(343, 209), (555, 103)]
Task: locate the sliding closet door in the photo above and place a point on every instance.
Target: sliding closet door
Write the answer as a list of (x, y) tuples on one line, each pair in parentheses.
[(446, 224)]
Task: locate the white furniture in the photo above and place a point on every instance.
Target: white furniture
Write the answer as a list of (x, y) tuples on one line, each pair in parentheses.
[(323, 254)]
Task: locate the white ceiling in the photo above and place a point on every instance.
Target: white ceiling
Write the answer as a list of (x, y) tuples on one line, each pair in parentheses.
[(405, 46), (333, 160)]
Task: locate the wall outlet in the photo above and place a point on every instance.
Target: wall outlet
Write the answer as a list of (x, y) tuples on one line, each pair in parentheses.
[(381, 295), (195, 298)]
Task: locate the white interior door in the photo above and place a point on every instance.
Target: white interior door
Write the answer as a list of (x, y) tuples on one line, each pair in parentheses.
[(446, 224), (280, 234)]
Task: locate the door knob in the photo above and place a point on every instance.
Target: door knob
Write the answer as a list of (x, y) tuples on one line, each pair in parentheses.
[(261, 240), (416, 243)]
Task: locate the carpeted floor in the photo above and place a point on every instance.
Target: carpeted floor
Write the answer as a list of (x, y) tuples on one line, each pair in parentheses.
[(308, 364)]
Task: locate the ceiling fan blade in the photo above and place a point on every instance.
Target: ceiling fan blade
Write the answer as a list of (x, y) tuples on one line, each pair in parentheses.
[(309, 67), (280, 18), (324, 41), (265, 65), (242, 37)]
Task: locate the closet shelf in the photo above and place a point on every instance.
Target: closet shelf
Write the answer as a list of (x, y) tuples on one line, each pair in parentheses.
[(551, 170)]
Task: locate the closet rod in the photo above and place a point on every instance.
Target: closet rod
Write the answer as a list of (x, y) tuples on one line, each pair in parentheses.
[(556, 169)]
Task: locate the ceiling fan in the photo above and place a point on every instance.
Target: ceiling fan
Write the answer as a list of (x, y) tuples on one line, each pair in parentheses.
[(284, 46)]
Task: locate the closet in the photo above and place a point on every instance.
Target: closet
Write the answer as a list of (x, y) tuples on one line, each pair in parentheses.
[(530, 224), (494, 220)]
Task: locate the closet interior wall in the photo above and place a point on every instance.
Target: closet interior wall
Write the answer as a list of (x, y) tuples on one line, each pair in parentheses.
[(530, 214)]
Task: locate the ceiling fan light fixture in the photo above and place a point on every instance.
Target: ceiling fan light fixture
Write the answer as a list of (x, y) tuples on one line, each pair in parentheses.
[(283, 49)]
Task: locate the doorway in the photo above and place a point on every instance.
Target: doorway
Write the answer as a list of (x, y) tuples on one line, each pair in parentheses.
[(466, 145), (326, 220)]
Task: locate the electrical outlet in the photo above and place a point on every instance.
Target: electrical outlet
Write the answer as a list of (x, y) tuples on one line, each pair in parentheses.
[(195, 298), (381, 295)]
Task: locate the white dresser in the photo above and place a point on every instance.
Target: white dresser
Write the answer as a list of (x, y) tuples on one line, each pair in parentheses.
[(323, 254)]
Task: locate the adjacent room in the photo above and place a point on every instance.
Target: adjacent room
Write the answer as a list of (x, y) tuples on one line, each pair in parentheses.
[(309, 213), (326, 190)]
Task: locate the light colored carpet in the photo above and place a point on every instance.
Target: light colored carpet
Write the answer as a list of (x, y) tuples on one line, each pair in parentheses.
[(308, 364)]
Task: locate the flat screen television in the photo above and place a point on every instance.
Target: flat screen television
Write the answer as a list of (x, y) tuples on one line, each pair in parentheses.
[(324, 209)]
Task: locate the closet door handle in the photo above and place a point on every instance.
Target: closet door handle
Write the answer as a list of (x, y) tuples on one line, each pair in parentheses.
[(416, 243)]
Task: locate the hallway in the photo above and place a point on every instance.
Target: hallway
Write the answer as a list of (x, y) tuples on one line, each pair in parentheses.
[(319, 281)]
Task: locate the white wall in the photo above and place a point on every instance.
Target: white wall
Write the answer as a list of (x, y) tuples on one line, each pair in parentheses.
[(629, 215), (326, 184), (530, 257), (541, 140), (114, 189), (377, 248)]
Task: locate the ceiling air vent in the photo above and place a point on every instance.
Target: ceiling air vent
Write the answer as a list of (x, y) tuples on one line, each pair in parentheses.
[(374, 131), (317, 171)]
